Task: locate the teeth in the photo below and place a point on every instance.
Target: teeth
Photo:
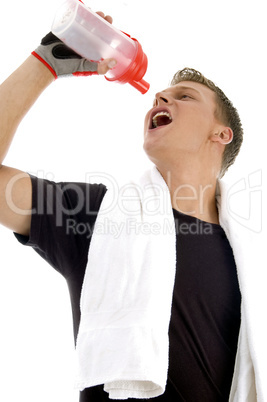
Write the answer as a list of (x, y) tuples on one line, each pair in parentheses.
[(154, 120)]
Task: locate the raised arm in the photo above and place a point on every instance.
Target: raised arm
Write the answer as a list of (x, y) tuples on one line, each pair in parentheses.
[(17, 94)]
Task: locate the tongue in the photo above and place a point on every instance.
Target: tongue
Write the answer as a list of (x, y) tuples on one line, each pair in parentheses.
[(163, 120)]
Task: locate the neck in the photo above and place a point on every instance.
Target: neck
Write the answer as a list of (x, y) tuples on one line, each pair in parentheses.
[(192, 191)]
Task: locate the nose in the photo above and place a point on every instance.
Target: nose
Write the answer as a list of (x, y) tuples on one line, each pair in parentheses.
[(161, 98)]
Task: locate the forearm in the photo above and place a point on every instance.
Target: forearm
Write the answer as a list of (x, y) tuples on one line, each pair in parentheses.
[(17, 94)]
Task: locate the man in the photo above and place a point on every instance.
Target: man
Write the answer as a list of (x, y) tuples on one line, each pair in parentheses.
[(192, 135)]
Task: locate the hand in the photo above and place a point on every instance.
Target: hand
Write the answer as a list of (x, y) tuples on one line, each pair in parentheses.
[(61, 60)]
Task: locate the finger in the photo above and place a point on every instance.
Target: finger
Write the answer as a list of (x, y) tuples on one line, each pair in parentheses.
[(108, 18), (105, 65), (101, 14)]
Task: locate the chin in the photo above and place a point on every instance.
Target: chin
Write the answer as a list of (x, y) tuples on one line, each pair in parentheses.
[(154, 154), (153, 144), (149, 148)]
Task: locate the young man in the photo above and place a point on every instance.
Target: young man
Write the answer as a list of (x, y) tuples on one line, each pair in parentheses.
[(192, 135)]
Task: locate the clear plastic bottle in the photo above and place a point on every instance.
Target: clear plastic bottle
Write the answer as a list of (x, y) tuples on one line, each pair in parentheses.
[(95, 39)]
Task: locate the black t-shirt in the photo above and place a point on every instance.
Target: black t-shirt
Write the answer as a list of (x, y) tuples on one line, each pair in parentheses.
[(205, 317)]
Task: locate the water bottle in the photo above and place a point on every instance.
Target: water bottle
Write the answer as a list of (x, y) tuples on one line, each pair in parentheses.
[(94, 38)]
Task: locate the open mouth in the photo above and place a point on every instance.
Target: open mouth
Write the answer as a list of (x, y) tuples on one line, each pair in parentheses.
[(159, 118)]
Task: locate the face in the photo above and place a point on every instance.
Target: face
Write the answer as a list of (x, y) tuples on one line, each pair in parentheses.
[(181, 120)]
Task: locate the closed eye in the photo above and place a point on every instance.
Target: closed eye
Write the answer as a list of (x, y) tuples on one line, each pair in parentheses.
[(185, 96)]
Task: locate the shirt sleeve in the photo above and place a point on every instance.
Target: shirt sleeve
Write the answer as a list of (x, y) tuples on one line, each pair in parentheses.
[(63, 217)]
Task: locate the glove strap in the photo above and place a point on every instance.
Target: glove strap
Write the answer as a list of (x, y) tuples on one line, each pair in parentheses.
[(45, 63)]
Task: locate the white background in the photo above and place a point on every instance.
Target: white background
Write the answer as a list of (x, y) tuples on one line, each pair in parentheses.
[(82, 125)]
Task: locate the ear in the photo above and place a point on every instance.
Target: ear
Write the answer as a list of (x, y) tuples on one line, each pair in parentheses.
[(224, 137)]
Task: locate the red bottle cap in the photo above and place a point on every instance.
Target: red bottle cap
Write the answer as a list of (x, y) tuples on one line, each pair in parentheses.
[(134, 74)]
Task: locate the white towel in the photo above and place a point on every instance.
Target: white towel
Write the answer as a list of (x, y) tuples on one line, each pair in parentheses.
[(249, 380), (127, 292)]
